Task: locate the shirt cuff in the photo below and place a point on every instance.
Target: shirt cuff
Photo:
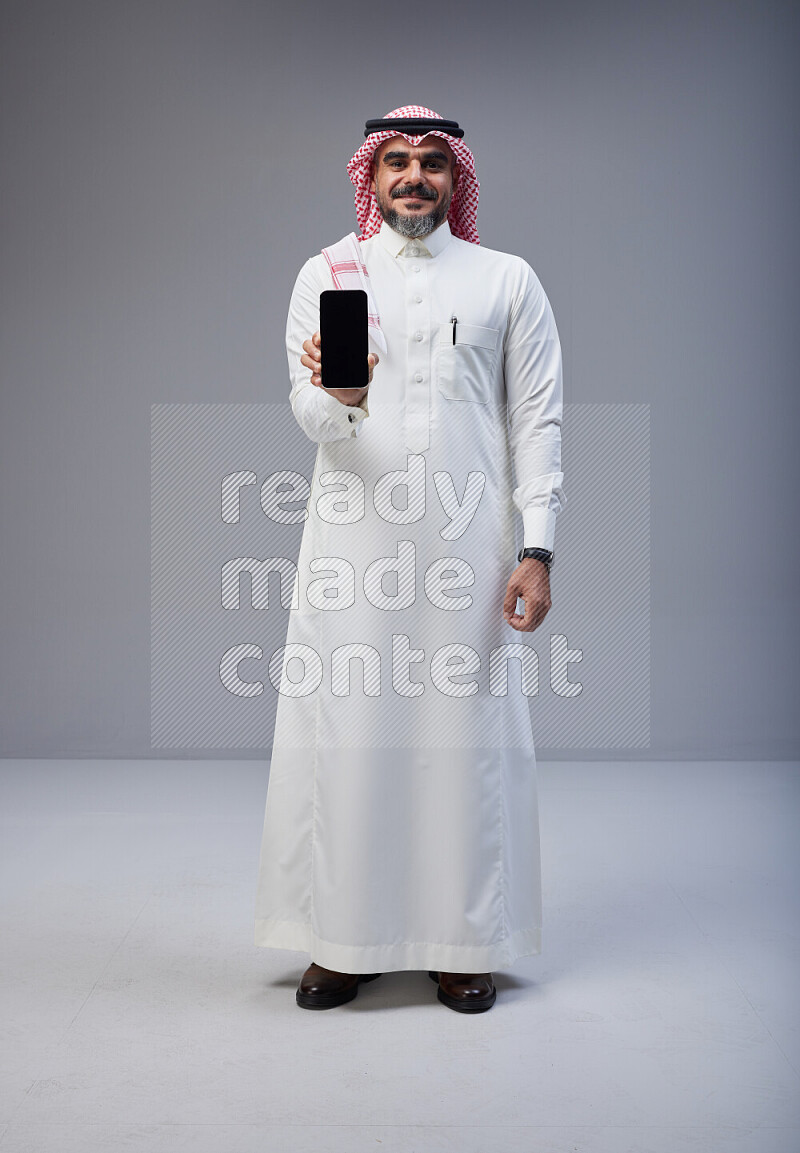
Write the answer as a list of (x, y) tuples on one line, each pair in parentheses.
[(538, 528), (346, 416)]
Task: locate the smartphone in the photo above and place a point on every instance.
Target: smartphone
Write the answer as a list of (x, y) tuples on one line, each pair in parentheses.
[(345, 346)]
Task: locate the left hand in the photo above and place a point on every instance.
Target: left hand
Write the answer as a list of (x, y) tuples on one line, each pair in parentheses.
[(530, 580)]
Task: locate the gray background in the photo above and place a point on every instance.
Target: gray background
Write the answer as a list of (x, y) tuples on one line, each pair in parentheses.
[(166, 169)]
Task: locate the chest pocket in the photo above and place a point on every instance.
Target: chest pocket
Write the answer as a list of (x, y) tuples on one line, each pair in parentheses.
[(465, 370)]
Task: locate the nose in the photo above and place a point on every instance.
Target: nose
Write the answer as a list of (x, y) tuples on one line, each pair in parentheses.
[(415, 171)]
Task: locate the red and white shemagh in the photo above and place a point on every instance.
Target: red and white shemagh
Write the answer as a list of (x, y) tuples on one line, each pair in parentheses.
[(349, 271), (463, 211)]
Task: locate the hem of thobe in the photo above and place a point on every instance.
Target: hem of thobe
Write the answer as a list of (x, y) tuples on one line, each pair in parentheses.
[(398, 956)]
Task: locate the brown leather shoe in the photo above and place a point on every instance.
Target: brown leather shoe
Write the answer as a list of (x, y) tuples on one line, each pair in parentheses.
[(325, 988), (466, 992)]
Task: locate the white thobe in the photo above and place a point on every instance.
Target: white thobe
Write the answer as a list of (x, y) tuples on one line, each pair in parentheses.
[(401, 827)]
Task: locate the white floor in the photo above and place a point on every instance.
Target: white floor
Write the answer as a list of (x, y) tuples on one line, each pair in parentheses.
[(661, 1016)]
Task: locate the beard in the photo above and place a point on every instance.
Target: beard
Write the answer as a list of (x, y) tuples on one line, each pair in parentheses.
[(418, 225)]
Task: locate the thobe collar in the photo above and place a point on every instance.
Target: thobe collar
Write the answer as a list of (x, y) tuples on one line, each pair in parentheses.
[(430, 245)]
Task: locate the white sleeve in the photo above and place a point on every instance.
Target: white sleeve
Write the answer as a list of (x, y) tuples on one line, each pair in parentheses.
[(534, 393), (321, 416)]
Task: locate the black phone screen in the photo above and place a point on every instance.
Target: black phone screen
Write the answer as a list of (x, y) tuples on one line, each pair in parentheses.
[(345, 347)]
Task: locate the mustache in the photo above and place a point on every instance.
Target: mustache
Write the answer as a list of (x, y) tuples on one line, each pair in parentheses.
[(414, 190)]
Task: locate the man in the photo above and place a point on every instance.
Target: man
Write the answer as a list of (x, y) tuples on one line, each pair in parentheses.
[(401, 824)]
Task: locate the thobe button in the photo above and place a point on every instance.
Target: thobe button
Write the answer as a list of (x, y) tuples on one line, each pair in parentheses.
[(415, 268), (418, 377), (418, 299), (414, 251), (418, 336), (350, 417)]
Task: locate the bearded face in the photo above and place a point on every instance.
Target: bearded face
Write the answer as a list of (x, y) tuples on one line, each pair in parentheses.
[(414, 185)]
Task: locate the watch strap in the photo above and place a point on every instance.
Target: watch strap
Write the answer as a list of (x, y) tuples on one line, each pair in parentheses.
[(542, 554)]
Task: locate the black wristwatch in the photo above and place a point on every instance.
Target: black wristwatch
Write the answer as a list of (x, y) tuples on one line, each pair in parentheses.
[(542, 554)]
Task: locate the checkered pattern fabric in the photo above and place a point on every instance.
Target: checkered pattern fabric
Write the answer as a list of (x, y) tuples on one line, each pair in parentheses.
[(464, 205), (349, 271)]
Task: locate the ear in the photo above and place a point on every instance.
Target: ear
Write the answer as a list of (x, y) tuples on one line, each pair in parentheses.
[(372, 176), (456, 174)]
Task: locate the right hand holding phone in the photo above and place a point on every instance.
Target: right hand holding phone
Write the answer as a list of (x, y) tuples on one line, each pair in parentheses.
[(313, 360)]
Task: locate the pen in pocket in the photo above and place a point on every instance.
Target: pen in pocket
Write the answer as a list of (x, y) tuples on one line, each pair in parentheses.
[(454, 322)]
